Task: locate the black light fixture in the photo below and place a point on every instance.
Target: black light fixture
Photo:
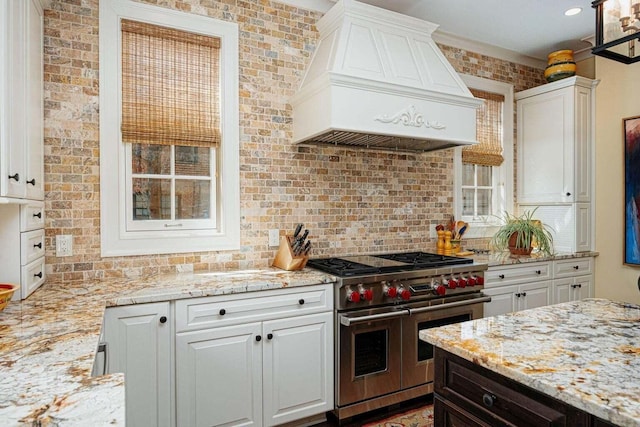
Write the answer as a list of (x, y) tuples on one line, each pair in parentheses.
[(617, 30)]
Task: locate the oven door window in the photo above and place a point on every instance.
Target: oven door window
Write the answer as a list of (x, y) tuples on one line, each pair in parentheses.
[(371, 352), (425, 350)]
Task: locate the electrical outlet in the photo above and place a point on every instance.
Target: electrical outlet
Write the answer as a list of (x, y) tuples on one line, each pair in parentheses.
[(274, 237), (64, 245)]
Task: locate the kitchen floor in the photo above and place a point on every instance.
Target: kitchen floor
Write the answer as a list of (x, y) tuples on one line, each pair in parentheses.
[(379, 414)]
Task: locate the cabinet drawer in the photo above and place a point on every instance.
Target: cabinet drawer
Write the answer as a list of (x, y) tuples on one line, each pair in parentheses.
[(528, 272), (573, 267), (208, 312), (31, 246), (32, 216), (33, 276), (497, 400)]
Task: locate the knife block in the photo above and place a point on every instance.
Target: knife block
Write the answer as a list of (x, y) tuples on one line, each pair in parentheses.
[(285, 259)]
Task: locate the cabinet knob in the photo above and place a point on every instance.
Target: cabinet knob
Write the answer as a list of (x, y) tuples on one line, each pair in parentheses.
[(222, 312), (580, 285), (524, 294), (301, 301), (518, 294), (39, 275), (501, 276), (38, 245), (538, 272), (258, 338), (38, 214), (574, 286), (15, 176), (576, 267), (488, 400), (269, 336), (163, 319), (32, 182)]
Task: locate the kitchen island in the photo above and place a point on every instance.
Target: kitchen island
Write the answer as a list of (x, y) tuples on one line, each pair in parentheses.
[(48, 341), (580, 357)]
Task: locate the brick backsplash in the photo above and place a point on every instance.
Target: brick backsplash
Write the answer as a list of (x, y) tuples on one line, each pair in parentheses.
[(352, 201)]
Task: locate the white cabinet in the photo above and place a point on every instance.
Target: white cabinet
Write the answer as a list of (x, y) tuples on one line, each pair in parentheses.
[(574, 279), (254, 359), (22, 236), (21, 100), (507, 299), (555, 158), (517, 287), (138, 343)]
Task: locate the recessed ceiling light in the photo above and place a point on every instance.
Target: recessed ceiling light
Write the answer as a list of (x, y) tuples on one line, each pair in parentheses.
[(573, 11)]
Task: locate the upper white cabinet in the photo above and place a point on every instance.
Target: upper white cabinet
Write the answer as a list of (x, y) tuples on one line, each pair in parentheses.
[(21, 100), (555, 139)]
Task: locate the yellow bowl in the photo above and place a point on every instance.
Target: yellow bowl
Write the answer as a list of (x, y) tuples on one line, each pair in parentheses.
[(6, 292), (559, 71)]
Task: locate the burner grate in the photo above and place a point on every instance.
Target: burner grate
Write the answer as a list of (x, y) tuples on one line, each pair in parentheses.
[(426, 259)]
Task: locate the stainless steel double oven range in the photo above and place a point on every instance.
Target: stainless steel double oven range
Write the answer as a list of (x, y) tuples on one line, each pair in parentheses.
[(381, 303)]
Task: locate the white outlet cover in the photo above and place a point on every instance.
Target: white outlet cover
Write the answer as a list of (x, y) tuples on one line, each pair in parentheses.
[(64, 245)]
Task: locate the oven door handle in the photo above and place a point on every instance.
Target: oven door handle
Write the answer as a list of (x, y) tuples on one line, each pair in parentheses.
[(348, 321), (450, 305)]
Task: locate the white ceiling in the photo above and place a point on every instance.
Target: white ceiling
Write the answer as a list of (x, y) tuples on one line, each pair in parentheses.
[(531, 28)]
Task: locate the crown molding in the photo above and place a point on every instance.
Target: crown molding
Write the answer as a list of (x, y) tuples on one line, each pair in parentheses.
[(453, 40)]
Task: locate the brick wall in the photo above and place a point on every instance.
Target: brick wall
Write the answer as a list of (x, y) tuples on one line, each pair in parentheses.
[(352, 201)]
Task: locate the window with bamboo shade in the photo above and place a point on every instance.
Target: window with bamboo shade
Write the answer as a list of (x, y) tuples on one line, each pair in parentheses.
[(488, 151), (169, 174)]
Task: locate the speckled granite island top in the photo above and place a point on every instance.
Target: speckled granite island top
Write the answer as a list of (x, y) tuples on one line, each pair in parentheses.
[(586, 354), (48, 341)]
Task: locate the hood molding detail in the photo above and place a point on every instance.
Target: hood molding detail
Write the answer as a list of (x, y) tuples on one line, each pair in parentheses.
[(375, 63)]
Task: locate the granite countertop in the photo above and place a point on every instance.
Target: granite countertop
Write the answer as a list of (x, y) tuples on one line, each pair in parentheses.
[(587, 353), (496, 259), (48, 341)]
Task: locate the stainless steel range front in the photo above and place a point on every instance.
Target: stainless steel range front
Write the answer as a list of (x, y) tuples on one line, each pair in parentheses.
[(381, 303)]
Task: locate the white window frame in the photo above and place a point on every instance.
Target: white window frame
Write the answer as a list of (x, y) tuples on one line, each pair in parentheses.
[(502, 194), (116, 239)]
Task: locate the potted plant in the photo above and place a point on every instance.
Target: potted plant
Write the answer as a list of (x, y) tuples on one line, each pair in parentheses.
[(520, 233)]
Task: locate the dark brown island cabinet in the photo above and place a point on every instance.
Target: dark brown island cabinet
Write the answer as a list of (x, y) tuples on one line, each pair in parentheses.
[(468, 395)]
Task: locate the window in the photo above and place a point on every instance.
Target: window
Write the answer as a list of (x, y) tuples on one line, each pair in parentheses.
[(168, 131), (483, 180)]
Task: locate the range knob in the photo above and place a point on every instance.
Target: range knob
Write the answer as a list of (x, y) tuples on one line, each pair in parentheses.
[(462, 282), (438, 289), (367, 294), (479, 280), (391, 291), (405, 294), (452, 283), (471, 281), (353, 296)]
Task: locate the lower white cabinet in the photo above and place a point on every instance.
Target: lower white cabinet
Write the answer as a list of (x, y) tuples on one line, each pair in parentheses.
[(250, 359), (138, 343), (510, 298), (514, 287), (256, 374)]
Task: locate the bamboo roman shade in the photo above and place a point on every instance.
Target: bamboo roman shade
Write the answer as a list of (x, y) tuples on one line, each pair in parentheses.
[(170, 86), (488, 151)]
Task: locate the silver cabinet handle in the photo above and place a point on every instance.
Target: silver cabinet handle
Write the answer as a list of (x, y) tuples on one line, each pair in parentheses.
[(102, 348), (348, 321)]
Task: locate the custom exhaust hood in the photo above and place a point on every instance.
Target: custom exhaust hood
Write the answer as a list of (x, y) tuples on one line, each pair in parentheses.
[(378, 80)]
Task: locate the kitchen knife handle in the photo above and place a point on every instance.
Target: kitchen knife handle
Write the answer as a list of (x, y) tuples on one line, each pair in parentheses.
[(298, 229)]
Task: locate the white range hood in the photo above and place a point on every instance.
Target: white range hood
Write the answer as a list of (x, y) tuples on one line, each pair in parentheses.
[(378, 80)]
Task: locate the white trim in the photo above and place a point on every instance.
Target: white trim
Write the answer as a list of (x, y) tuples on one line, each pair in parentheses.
[(504, 194), (115, 239)]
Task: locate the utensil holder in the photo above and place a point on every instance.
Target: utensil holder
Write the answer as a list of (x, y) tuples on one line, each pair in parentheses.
[(285, 258)]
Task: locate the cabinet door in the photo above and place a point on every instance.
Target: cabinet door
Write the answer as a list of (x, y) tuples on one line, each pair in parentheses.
[(34, 137), (298, 367), (139, 344), (537, 294), (503, 301), (219, 376), (583, 287), (545, 125), (582, 143), (563, 290)]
